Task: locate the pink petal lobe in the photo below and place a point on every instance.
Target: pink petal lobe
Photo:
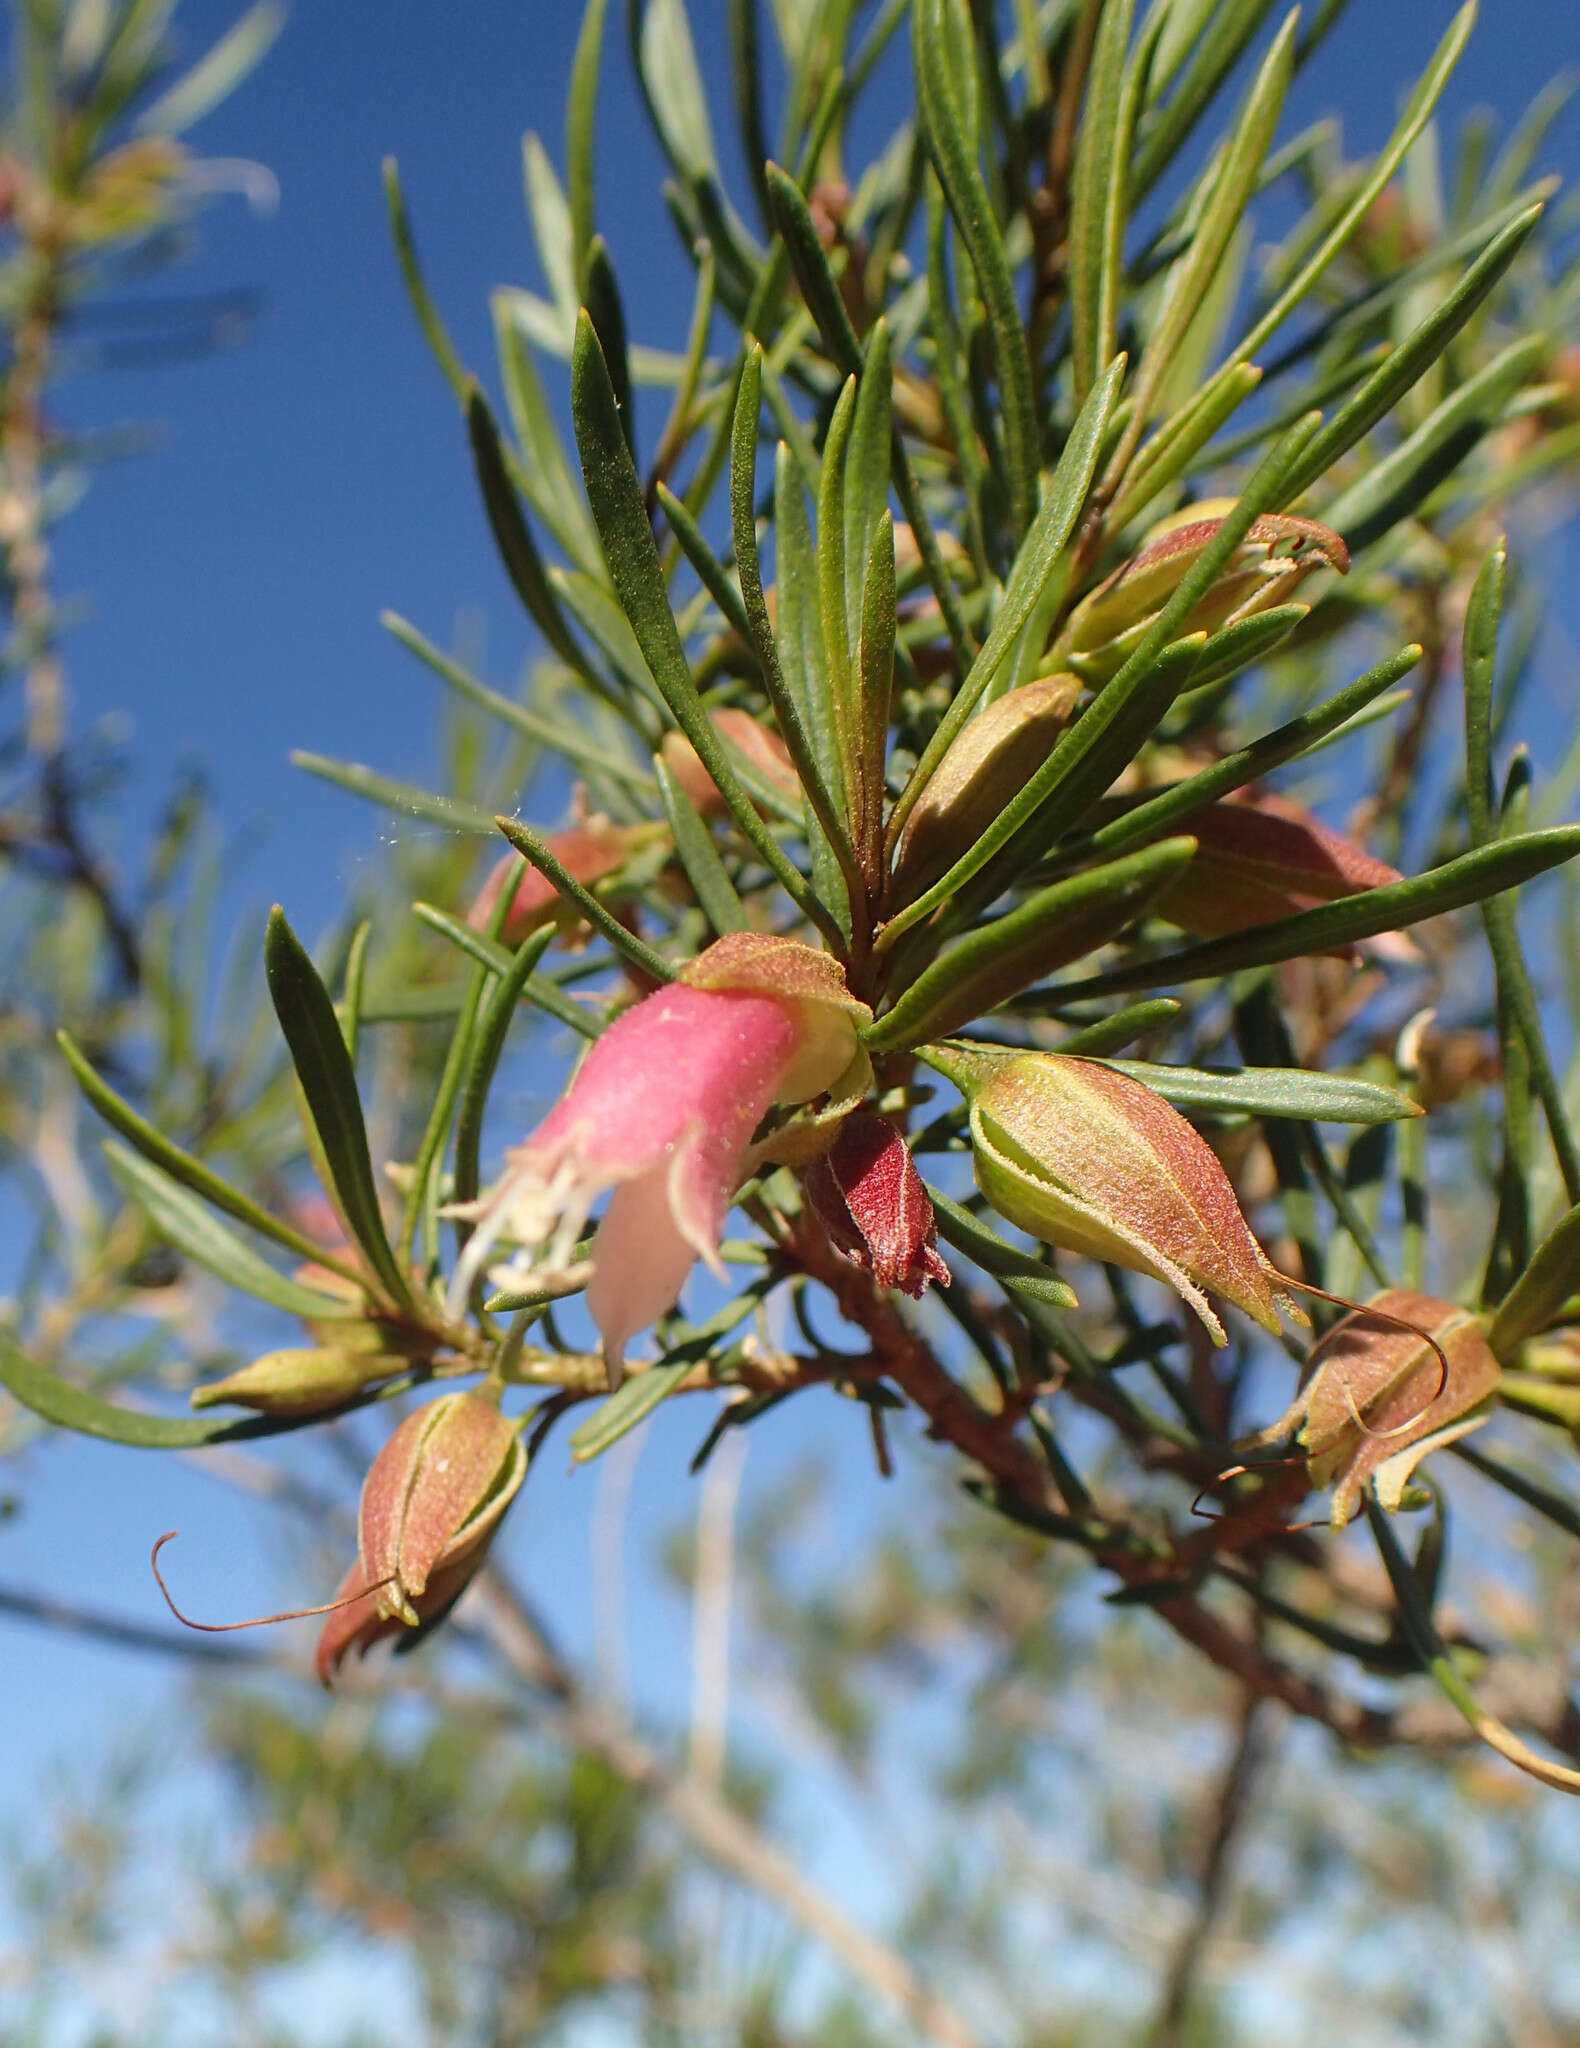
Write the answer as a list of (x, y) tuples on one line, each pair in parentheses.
[(640, 1261)]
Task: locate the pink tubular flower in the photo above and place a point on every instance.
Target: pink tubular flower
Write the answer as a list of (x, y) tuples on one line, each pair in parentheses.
[(587, 852), (762, 749), (662, 1110)]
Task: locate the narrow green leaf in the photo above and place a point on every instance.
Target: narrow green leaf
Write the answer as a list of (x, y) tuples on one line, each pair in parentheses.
[(493, 1028), (875, 691), (1516, 995), (601, 297), (673, 84), (74, 1408), (838, 633), (581, 114), (552, 328), (192, 1227), (1360, 312), (1437, 1660), (512, 535), (329, 1089), (591, 603), (1223, 207), (434, 330), (422, 1196), (1056, 925), (1393, 488), (867, 464), (475, 945), (697, 854), (1015, 1269), (353, 985), (711, 572), (1535, 1300), (192, 1173), (1483, 615), (623, 1410), (806, 742), (1417, 112), (1468, 879), (1124, 1027), (216, 75), (1181, 438), (1097, 200), (1402, 368), (1248, 764), (403, 798), (746, 76), (685, 415), (941, 91), (949, 367), (1271, 1091), (615, 493), (561, 732), (543, 474), (819, 287), (1554, 1506), (549, 211), (1248, 640), (1214, 54)]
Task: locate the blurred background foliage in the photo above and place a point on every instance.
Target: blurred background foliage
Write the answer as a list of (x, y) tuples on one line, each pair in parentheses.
[(1073, 1829)]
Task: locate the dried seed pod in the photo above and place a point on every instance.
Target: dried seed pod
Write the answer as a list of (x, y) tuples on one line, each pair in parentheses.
[(1382, 1397), (431, 1504), (1277, 554)]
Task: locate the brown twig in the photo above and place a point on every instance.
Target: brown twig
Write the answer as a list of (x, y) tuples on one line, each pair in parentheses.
[(724, 1835), (1232, 1807)]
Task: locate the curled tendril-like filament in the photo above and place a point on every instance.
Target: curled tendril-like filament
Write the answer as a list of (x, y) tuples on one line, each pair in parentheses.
[(220, 1628), (1380, 1315)]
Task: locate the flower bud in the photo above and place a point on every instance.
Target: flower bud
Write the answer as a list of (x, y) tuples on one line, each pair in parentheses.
[(300, 1382), (431, 1504), (587, 852), (1277, 554), (1380, 1400), (1257, 860), (994, 756), (1088, 1159), (872, 1202), (761, 749)]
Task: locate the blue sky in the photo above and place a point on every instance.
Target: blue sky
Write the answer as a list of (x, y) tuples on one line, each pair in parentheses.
[(318, 473)]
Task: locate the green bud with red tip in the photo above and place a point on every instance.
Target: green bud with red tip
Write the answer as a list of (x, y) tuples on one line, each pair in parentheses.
[(304, 1381)]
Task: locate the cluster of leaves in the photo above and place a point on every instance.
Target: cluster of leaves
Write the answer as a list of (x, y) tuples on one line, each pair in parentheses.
[(1030, 318)]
